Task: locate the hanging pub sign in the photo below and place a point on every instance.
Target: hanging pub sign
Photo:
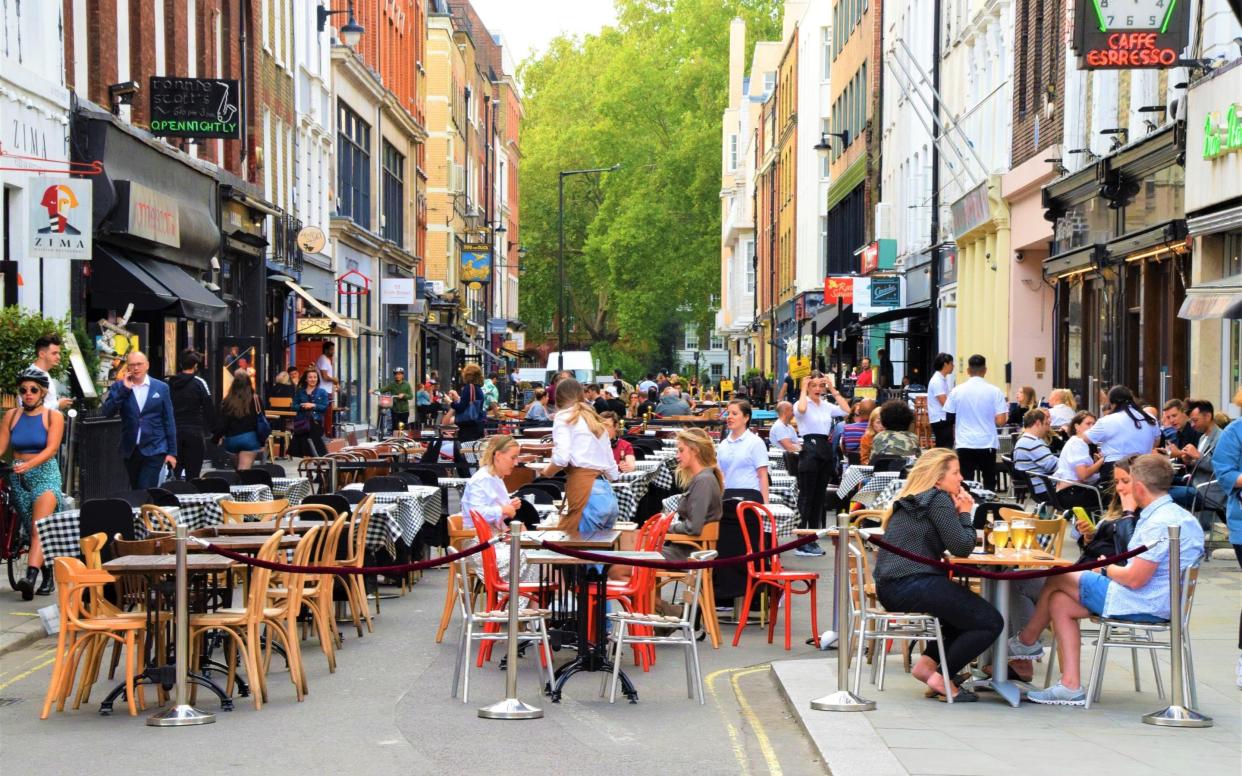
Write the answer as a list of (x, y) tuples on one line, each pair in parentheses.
[(195, 107), (60, 218), (476, 263), (1125, 34)]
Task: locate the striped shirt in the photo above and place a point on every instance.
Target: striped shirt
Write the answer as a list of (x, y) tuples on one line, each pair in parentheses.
[(1031, 455), (851, 436)]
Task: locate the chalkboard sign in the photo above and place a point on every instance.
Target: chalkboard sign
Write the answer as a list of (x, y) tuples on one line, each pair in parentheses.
[(195, 107)]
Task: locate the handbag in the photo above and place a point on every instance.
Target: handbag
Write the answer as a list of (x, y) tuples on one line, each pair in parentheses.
[(472, 413), (262, 426), (301, 425)]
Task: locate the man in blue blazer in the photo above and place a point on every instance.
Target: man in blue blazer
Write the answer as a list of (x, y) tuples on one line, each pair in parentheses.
[(148, 431)]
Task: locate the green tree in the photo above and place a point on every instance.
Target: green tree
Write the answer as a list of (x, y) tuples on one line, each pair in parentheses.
[(18, 331), (642, 245)]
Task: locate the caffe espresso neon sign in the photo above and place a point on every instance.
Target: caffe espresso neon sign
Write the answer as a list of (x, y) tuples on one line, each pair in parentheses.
[(1222, 139)]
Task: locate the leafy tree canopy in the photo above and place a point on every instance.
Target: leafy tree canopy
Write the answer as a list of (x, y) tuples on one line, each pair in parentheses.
[(642, 244)]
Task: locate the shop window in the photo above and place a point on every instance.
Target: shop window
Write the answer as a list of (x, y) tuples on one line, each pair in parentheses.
[(692, 338), (1084, 223), (353, 167), (1160, 198)]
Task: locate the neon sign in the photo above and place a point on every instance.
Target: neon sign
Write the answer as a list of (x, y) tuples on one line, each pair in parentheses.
[(1224, 139), (1126, 34)]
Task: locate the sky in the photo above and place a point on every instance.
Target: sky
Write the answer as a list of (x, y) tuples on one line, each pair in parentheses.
[(529, 25)]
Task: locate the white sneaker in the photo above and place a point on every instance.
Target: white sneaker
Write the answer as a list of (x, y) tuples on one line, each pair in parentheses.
[(1058, 695), (1240, 671), (1018, 649)]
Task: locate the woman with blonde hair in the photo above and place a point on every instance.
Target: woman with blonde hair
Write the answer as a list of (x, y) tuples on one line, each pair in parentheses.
[(1061, 407), (930, 516), (581, 447), (1024, 401), (486, 495), (700, 476)]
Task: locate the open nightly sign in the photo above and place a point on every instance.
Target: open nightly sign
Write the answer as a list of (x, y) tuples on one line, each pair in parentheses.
[(1125, 34), (195, 107)]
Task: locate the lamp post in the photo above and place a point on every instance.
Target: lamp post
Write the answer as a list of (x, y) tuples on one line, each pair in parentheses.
[(560, 255), (351, 33), (824, 146)]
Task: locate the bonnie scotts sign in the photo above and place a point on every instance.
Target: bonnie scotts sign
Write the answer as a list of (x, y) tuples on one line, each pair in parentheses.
[(195, 107), (1223, 138)]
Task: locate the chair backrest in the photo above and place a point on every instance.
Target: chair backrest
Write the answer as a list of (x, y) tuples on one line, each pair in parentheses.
[(860, 516), (122, 547), (255, 477), (995, 510), (694, 583), (319, 472), (491, 571), (227, 475), (238, 511), (307, 548), (766, 537), (1050, 534), (1190, 582), (458, 534), (92, 547), (888, 463), (274, 469), (336, 502), (109, 516), (211, 485), (353, 495), (427, 475), (519, 477), (135, 498), (288, 515), (175, 487), (156, 519), (280, 402), (73, 579), (650, 539), (387, 484), (554, 488), (358, 532), (541, 495), (260, 578), (162, 497)]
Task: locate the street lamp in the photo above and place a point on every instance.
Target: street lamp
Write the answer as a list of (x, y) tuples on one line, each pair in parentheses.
[(560, 256), (351, 33), (824, 146)]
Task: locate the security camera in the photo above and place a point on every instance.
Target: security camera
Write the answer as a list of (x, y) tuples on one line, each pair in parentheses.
[(1018, 257)]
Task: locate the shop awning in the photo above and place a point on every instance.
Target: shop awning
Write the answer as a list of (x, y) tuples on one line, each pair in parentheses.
[(896, 314), (1214, 299), (150, 284), (338, 326)]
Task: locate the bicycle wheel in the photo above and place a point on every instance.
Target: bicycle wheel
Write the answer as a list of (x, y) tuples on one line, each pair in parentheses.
[(15, 556)]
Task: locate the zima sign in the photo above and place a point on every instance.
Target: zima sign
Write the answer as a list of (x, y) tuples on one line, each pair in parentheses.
[(60, 218)]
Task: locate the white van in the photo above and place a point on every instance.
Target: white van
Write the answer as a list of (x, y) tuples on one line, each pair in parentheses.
[(579, 363)]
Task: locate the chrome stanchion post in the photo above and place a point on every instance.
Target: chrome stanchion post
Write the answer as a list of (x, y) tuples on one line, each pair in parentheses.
[(511, 707), (843, 699), (181, 713), (1177, 714)]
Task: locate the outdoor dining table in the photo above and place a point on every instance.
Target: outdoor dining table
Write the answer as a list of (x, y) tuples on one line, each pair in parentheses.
[(997, 592), (417, 506), (251, 542), (153, 568), (574, 579)]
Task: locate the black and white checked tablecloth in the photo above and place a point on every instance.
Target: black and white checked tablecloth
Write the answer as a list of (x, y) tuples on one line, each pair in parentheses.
[(782, 488), (59, 532), (384, 530), (786, 517), (418, 506), (250, 492), (630, 488), (893, 487), (293, 488)]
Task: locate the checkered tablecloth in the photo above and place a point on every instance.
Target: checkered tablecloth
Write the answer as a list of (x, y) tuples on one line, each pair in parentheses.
[(200, 510), (384, 530), (293, 488), (250, 492), (59, 532), (666, 476), (875, 487), (852, 477), (782, 488), (887, 494), (776, 460), (411, 510), (630, 488), (786, 517)]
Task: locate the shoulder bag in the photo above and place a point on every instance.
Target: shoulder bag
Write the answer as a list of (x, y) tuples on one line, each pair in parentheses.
[(262, 426)]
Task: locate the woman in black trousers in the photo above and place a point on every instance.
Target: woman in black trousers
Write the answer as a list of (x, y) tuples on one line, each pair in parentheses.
[(934, 514)]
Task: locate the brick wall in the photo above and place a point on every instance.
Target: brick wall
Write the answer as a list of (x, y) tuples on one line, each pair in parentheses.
[(1039, 76)]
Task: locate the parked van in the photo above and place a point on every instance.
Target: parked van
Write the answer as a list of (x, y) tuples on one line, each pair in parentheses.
[(579, 363)]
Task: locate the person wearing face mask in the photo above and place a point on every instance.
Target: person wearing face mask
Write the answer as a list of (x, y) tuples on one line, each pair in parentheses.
[(817, 463), (742, 456)]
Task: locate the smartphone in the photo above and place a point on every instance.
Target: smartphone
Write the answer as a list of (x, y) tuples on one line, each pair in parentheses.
[(1082, 514)]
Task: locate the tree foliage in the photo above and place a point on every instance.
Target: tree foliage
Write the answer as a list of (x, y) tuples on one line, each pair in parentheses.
[(642, 244), (19, 329)]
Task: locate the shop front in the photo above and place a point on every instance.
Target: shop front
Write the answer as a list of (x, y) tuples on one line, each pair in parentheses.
[(153, 272), (1213, 304), (1119, 264)]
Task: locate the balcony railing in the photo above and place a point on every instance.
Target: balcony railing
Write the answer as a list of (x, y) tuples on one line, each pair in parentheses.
[(285, 250)]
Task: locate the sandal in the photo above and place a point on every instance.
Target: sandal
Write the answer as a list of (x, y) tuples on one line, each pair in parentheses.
[(961, 696)]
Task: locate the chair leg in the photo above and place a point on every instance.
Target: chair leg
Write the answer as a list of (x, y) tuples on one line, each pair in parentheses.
[(944, 663), (1188, 674), (1155, 669), (698, 669), (616, 665), (465, 687), (1134, 667), (707, 605), (861, 616), (449, 603), (1096, 679), (461, 652), (58, 668), (745, 613), (814, 615), (131, 658), (884, 645)]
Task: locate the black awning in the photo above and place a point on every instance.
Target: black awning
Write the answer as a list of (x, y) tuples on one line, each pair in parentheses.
[(896, 314), (149, 284)]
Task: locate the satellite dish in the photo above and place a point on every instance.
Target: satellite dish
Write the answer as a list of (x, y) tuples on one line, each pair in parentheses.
[(311, 239)]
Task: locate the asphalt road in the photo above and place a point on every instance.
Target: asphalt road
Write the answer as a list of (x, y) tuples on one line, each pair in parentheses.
[(387, 709)]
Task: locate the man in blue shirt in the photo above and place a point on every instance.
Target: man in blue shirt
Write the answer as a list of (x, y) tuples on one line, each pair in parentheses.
[(148, 430), (1138, 591)]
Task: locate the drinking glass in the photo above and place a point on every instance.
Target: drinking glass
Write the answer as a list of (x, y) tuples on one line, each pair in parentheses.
[(1000, 535)]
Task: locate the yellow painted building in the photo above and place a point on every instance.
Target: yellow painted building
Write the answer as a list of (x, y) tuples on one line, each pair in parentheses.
[(981, 228)]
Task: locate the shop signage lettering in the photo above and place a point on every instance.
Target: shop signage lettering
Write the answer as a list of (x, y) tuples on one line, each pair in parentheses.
[(971, 211), (870, 258), (398, 291), (1225, 138), (885, 292), (60, 218), (839, 289), (1131, 34), (1131, 49), (154, 216), (195, 107)]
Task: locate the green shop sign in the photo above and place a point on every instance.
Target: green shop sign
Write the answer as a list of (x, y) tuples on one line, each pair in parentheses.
[(1223, 139)]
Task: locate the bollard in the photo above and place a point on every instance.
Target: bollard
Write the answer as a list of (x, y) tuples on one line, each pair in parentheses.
[(511, 707), (843, 699), (181, 713), (1176, 714)]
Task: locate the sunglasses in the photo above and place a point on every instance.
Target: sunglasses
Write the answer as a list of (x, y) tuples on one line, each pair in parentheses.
[(31, 391)]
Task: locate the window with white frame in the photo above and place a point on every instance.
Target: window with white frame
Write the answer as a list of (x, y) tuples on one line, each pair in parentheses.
[(748, 258), (717, 343), (733, 151), (692, 337), (825, 65), (717, 371)]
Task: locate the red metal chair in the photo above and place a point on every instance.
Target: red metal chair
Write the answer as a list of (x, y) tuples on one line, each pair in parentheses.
[(497, 588), (768, 571)]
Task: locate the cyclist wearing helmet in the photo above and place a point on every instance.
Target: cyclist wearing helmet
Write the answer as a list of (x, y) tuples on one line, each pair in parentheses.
[(33, 432), (401, 392)]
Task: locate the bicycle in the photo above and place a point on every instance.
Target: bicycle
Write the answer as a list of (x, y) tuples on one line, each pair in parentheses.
[(383, 421), (14, 544)]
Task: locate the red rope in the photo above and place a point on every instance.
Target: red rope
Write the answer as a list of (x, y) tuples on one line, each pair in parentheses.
[(343, 570), (965, 570), (678, 565)]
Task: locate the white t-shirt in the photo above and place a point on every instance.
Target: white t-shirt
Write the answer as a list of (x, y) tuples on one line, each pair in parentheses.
[(1118, 437), (324, 365), (740, 459), (976, 403), (1075, 453), (818, 418), (575, 445), (940, 385), (1061, 415), (52, 400), (781, 430)]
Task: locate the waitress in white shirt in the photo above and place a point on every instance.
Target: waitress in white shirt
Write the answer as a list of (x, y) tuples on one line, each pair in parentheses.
[(487, 496), (938, 390), (742, 456), (979, 408), (581, 447), (1127, 430), (1078, 463), (817, 463)]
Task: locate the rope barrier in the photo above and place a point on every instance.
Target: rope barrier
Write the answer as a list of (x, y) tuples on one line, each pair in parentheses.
[(966, 570), (681, 565), (344, 570)]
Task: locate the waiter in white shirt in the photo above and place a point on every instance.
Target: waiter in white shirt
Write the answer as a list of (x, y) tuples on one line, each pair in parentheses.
[(327, 376), (938, 389), (816, 463), (979, 408)]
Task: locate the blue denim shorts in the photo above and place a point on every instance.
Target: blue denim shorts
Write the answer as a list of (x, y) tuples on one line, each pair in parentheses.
[(243, 443), (1092, 592), (601, 508)]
